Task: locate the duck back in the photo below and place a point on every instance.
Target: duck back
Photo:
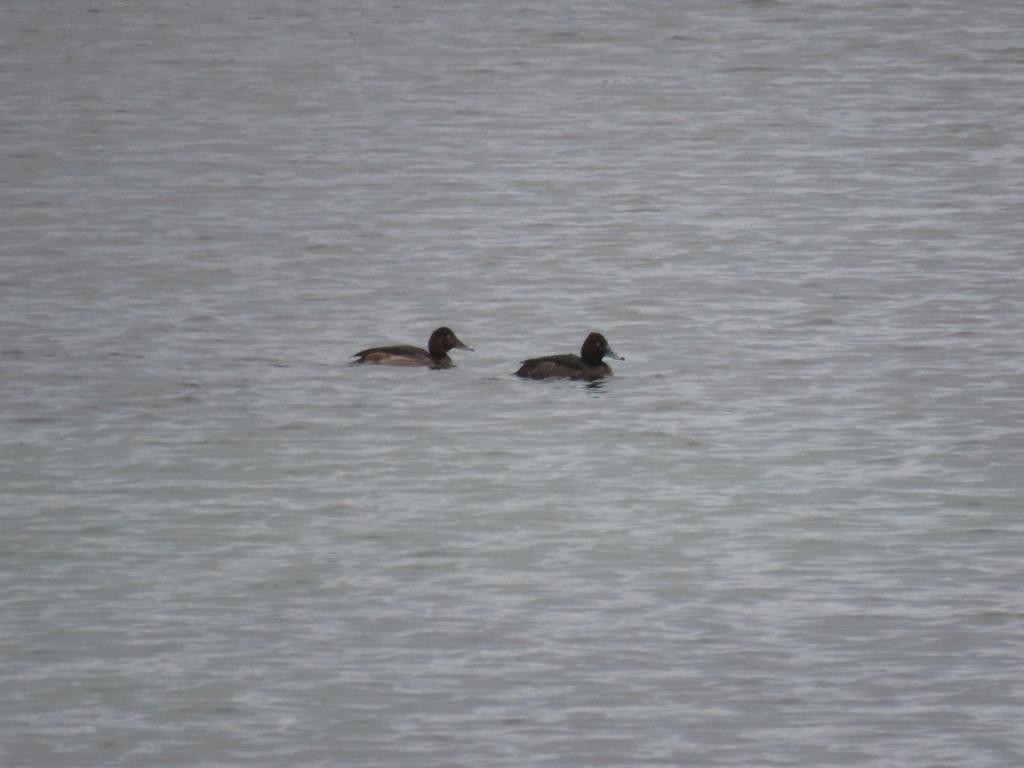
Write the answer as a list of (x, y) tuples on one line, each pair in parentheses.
[(562, 367)]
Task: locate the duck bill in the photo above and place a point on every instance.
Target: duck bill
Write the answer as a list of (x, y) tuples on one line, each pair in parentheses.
[(460, 345), (609, 352)]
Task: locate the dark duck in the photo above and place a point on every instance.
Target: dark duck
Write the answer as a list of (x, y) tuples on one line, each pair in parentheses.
[(434, 356), (589, 365)]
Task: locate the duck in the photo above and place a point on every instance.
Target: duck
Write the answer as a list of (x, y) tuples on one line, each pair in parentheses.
[(589, 365), (434, 356)]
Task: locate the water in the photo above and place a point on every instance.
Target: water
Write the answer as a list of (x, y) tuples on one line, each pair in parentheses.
[(788, 532)]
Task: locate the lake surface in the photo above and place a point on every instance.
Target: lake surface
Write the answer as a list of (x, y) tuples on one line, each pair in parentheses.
[(788, 532)]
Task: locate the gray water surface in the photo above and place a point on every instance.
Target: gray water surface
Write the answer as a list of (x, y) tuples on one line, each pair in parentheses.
[(787, 532)]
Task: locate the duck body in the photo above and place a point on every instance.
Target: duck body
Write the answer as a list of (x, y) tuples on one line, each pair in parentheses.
[(589, 365), (434, 356)]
